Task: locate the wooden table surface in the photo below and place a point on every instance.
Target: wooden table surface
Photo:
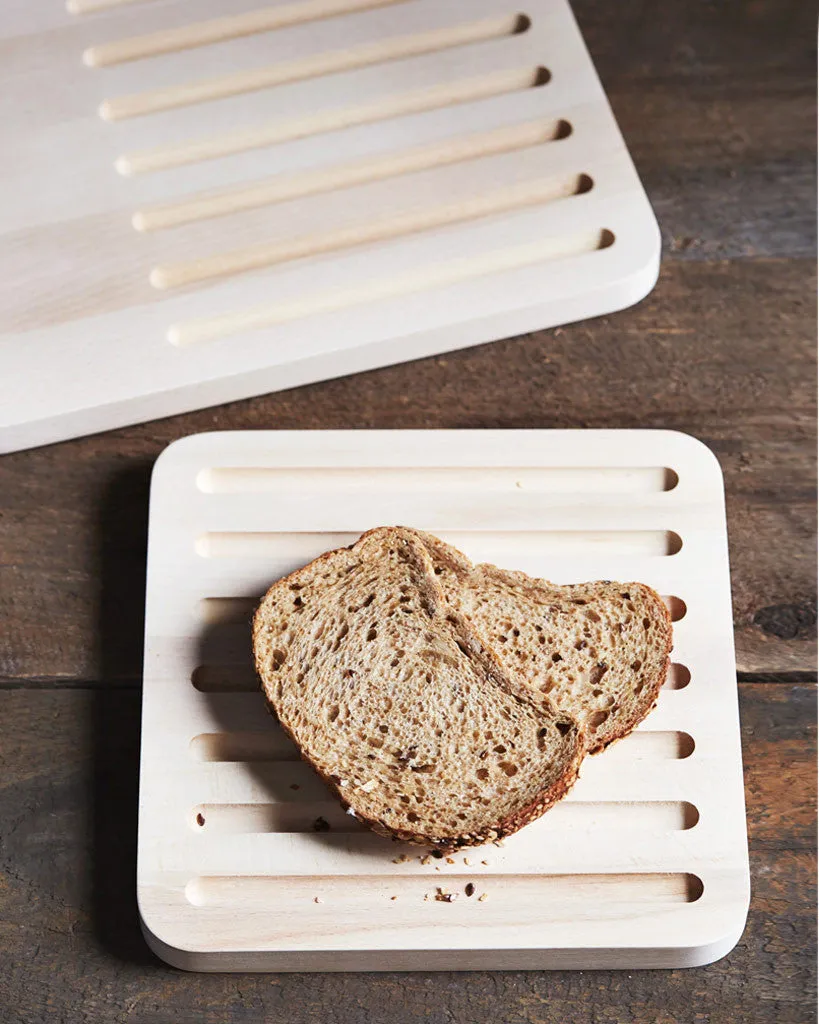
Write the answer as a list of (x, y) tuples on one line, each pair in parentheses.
[(717, 103)]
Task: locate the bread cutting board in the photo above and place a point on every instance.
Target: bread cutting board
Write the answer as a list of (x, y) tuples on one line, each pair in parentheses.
[(245, 860), (209, 199)]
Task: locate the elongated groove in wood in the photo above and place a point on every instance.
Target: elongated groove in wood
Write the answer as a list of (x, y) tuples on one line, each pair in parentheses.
[(442, 479), (219, 30), (225, 747), (270, 133), (203, 90), (271, 745), (250, 818), (239, 609), (423, 279), (92, 6), (238, 678), (241, 261), (207, 205), (640, 543), (562, 894)]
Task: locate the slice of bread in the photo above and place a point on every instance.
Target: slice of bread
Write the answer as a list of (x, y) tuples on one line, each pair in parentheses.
[(398, 704), (599, 650)]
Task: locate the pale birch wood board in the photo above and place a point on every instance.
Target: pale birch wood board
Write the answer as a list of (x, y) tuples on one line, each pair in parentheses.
[(645, 864), (209, 199)]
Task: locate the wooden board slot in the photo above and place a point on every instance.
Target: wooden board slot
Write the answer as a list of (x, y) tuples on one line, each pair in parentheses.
[(563, 894), (219, 30), (241, 678), (650, 543), (440, 479), (435, 276), (326, 816), (239, 610), (272, 745)]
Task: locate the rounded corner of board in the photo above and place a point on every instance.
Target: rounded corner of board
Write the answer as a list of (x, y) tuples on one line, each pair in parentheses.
[(172, 954), (181, 447)]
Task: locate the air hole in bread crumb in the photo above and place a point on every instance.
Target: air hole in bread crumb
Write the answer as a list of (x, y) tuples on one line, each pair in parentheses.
[(563, 727), (636, 666), (412, 816), (482, 774), (597, 673), (556, 658), (579, 602), (372, 634), (278, 658), (580, 645), (333, 713), (646, 623), (500, 749), (597, 718), (592, 616), (508, 768), (597, 693)]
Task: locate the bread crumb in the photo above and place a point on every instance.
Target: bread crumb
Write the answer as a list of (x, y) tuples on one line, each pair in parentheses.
[(437, 868), (467, 861), (442, 896), (483, 896), (393, 897), (426, 860), (486, 862), (469, 889), (426, 897), (450, 860), (499, 842), (402, 858), (317, 899)]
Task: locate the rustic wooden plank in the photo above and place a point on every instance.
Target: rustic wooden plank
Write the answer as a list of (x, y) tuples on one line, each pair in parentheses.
[(718, 106), (724, 351), (69, 938)]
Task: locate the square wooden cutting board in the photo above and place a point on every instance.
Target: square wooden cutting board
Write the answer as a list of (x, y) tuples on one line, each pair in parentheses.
[(245, 860), (205, 200)]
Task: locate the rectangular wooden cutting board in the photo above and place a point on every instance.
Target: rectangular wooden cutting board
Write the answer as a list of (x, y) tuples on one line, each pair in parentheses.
[(246, 862), (209, 199)]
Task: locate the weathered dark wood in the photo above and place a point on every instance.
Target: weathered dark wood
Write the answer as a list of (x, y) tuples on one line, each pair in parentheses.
[(724, 351), (71, 949)]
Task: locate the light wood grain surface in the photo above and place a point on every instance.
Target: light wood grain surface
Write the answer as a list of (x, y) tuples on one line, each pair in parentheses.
[(717, 103)]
